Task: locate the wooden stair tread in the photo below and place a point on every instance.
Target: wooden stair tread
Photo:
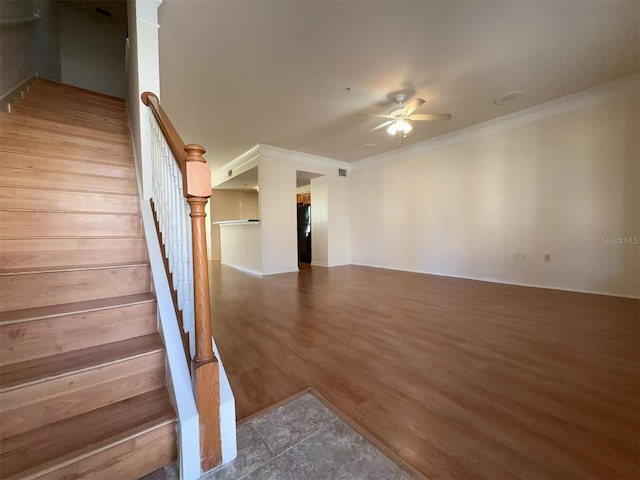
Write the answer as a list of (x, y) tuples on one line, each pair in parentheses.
[(60, 443), (62, 103), (56, 126), (69, 268), (34, 113), (73, 89), (53, 95), (37, 313), (34, 371)]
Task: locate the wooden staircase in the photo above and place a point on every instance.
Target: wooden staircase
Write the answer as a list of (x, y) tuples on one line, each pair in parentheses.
[(82, 366)]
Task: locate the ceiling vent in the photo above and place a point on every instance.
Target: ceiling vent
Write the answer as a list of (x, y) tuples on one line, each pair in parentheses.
[(342, 172)]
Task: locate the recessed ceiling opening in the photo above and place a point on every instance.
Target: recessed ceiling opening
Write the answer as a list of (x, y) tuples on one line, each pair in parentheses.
[(245, 181)]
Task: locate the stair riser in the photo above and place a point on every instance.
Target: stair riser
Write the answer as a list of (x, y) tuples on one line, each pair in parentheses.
[(71, 109), (80, 103), (52, 200), (131, 459), (56, 288), (30, 253), (26, 112), (66, 181), (59, 123), (34, 406), (41, 338), (9, 144), (47, 224), (63, 165), (57, 90), (37, 100), (53, 140)]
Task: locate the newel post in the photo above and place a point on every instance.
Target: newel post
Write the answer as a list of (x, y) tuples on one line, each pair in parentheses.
[(205, 366)]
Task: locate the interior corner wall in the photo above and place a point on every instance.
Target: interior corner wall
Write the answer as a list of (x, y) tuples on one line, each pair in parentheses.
[(28, 48), (566, 185), (92, 51)]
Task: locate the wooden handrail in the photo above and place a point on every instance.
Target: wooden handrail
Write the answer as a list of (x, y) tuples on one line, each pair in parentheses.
[(196, 180), (170, 133)]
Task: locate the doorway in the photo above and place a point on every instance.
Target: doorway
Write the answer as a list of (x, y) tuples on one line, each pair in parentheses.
[(303, 211)]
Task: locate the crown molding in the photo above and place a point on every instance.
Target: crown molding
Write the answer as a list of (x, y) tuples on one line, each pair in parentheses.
[(286, 154), (575, 101), (264, 150)]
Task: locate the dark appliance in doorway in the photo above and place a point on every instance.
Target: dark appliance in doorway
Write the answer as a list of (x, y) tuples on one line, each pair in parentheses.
[(304, 233)]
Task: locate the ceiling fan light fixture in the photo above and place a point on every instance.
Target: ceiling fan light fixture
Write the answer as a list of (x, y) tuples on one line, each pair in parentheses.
[(399, 127)]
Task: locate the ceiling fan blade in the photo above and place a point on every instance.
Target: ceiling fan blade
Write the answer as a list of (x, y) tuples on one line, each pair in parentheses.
[(383, 116), (421, 117), (382, 125), (412, 106)]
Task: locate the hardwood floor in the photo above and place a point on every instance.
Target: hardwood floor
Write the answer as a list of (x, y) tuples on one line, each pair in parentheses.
[(461, 379)]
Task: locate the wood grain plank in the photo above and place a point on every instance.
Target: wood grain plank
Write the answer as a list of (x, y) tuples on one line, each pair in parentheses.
[(18, 177), (30, 253), (78, 103), (65, 165), (15, 224), (57, 124), (9, 144), (54, 140), (54, 288), (72, 109), (54, 335), (43, 200), (137, 456), (29, 314), (34, 371), (59, 444), (458, 378), (36, 405), (77, 92), (36, 109)]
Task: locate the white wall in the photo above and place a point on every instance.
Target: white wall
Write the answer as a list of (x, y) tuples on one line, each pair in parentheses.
[(278, 216), (319, 189), (559, 185), (242, 248), (143, 74), (92, 51), (330, 231)]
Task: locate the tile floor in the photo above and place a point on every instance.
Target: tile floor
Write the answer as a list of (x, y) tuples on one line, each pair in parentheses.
[(302, 440)]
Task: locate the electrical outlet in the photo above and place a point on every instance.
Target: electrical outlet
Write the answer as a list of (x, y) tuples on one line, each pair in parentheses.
[(547, 257)]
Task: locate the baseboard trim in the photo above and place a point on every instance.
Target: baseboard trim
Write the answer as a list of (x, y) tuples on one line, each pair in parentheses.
[(242, 269), (8, 97), (501, 281)]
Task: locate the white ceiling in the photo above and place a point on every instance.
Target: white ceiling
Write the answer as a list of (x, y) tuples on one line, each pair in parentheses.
[(238, 73)]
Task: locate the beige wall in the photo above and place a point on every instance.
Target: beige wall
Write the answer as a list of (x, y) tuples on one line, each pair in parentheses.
[(92, 51), (566, 185), (231, 205), (27, 48)]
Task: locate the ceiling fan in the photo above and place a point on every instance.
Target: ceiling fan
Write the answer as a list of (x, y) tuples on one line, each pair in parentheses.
[(400, 118)]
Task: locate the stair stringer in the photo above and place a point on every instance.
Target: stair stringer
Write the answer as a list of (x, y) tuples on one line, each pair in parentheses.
[(178, 377)]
